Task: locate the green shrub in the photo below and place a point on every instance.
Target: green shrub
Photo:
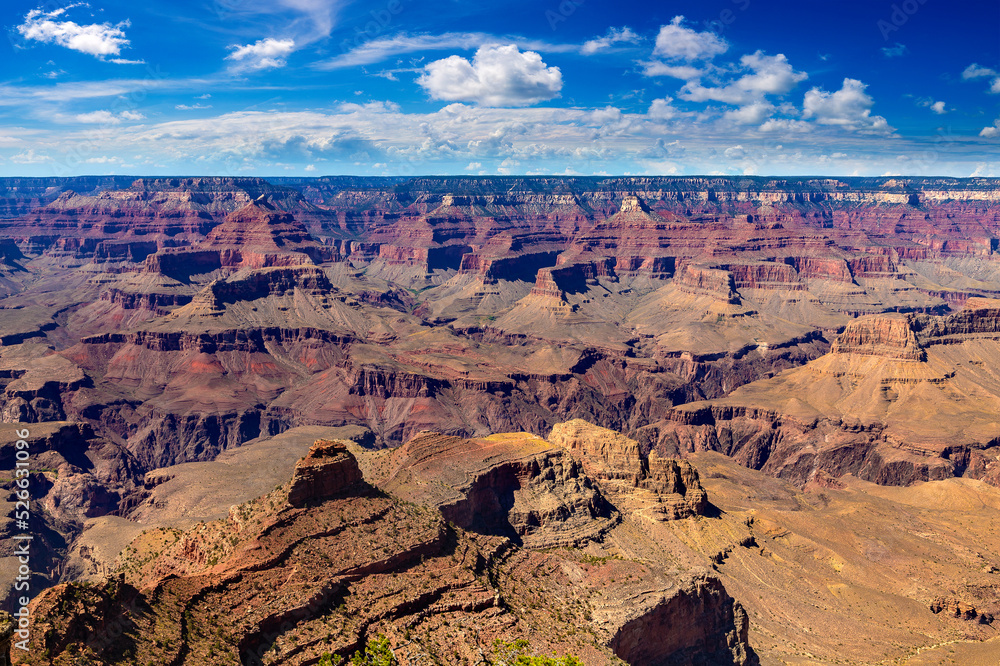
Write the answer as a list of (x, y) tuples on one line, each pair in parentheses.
[(513, 654), (376, 653)]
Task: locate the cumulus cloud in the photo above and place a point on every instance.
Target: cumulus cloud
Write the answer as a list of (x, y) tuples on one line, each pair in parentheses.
[(30, 157), (613, 36), (975, 71), (936, 107), (98, 117), (785, 125), (497, 76), (991, 132), (735, 152), (769, 75), (263, 54), (677, 42), (751, 114), (850, 107), (96, 39), (661, 109)]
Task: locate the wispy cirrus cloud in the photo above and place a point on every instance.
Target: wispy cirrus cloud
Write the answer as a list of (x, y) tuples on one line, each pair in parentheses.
[(385, 48), (975, 71), (623, 35), (896, 51)]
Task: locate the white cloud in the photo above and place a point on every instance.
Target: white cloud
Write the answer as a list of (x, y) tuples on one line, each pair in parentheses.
[(936, 107), (613, 36), (678, 42), (96, 39), (785, 125), (104, 117), (769, 75), (975, 71), (497, 76), (382, 49), (192, 107), (751, 114), (30, 157), (263, 54), (735, 153), (310, 20), (98, 118), (657, 68), (474, 166), (379, 137), (849, 107), (991, 132), (310, 167), (896, 51), (661, 109)]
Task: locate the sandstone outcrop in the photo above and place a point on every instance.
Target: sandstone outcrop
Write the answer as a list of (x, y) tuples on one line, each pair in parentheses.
[(714, 282), (660, 488), (889, 337), (328, 470), (516, 485)]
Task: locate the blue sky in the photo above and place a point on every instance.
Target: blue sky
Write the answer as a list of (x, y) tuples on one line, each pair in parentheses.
[(314, 87)]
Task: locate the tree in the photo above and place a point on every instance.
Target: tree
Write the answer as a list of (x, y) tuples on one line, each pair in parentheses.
[(376, 653)]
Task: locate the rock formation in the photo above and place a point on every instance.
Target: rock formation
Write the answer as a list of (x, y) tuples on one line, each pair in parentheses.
[(515, 485), (665, 489), (279, 583), (327, 471)]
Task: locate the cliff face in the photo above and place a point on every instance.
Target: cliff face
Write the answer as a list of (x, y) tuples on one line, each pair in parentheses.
[(884, 336), (328, 470), (652, 486), (714, 282), (522, 487)]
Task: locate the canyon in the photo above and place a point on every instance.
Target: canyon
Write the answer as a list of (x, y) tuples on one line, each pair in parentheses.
[(532, 371)]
